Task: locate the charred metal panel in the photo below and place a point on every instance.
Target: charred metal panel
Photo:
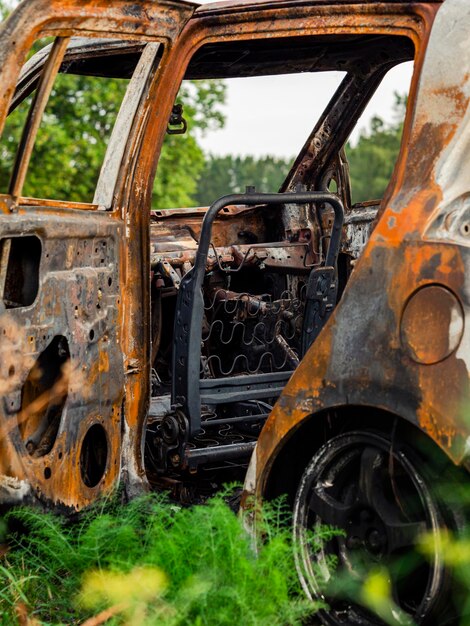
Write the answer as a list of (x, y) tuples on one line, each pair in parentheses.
[(358, 226), (77, 302)]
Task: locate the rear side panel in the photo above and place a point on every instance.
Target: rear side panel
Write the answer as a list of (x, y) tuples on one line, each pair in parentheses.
[(398, 341)]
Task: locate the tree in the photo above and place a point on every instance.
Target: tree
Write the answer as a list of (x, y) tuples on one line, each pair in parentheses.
[(373, 158), (228, 174), (182, 159), (71, 141)]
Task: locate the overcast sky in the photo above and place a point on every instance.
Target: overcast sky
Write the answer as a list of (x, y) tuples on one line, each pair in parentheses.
[(275, 114)]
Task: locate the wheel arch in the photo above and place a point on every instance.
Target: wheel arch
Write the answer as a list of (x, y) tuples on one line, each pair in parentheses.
[(297, 449)]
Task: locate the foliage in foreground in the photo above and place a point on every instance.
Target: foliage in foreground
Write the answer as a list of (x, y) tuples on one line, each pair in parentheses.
[(151, 562)]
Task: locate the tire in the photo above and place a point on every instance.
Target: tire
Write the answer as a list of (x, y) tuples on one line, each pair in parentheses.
[(383, 497)]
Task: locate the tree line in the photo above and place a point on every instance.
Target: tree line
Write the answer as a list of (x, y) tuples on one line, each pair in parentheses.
[(371, 161)]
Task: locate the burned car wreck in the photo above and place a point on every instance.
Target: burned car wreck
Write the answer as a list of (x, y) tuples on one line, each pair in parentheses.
[(325, 339)]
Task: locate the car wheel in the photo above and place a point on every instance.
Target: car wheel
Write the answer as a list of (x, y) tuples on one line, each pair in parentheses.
[(382, 497)]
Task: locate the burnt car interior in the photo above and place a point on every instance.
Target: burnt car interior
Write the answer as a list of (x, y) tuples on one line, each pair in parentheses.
[(239, 291)]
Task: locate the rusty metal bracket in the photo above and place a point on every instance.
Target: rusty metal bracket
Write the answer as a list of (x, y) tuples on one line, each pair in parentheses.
[(321, 295), (177, 125)]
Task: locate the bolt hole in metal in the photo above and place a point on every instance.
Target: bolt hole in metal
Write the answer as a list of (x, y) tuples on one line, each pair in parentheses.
[(378, 497), (465, 229)]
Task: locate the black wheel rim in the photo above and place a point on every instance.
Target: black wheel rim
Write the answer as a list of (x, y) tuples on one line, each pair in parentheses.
[(380, 497)]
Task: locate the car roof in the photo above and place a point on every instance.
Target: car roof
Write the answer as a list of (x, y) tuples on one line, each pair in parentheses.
[(226, 6)]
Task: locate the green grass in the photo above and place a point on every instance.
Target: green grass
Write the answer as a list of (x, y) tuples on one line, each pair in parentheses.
[(156, 562)]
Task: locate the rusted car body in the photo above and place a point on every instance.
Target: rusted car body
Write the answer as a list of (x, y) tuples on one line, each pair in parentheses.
[(139, 347)]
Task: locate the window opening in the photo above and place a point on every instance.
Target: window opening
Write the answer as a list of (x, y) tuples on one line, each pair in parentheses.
[(238, 134), (63, 113), (374, 145)]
